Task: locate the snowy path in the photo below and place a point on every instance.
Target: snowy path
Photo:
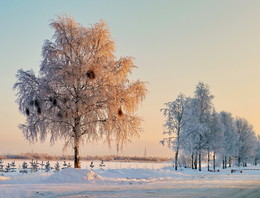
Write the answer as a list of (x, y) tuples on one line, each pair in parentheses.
[(192, 189)]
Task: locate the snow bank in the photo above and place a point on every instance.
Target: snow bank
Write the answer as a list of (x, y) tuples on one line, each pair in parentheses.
[(71, 175), (4, 178), (132, 182)]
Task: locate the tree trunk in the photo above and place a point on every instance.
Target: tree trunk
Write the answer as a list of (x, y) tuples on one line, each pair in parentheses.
[(225, 161), (196, 162), (76, 153), (192, 161), (76, 131), (208, 159), (199, 161), (214, 161), (178, 147), (229, 160), (238, 161), (176, 159)]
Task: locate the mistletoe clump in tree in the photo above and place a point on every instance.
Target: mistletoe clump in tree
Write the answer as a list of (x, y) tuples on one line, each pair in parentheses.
[(82, 92)]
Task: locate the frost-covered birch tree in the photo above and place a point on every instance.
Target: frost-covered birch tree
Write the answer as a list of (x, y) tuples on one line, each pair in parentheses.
[(174, 112), (230, 141), (257, 150), (203, 110), (246, 141), (190, 131), (214, 137), (82, 92)]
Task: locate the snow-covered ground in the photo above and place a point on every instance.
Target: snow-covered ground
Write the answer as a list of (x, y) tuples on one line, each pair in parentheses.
[(128, 179)]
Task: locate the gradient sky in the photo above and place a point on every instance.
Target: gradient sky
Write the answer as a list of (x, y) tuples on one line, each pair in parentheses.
[(176, 44)]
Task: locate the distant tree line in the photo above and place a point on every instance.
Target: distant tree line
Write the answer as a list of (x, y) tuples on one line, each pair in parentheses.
[(196, 131), (44, 156)]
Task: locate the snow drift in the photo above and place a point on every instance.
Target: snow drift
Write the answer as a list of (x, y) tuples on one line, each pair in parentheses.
[(71, 175)]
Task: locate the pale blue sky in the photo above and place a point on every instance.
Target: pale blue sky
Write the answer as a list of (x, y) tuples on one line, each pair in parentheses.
[(176, 44)]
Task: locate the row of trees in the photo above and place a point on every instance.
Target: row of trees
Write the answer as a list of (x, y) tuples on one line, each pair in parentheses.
[(195, 129)]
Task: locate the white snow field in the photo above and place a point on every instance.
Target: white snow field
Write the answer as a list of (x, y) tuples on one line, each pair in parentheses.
[(128, 179)]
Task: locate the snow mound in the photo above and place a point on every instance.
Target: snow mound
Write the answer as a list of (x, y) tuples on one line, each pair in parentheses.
[(4, 178), (71, 175)]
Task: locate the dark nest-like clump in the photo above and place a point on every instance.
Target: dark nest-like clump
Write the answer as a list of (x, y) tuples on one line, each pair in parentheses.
[(91, 74), (27, 111), (120, 112), (54, 102)]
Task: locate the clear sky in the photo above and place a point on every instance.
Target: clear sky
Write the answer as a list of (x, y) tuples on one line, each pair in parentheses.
[(176, 44)]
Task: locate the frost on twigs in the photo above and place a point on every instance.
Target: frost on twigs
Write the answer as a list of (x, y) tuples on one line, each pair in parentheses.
[(82, 92)]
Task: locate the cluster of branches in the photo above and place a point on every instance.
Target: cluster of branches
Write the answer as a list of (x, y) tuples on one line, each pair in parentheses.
[(196, 130)]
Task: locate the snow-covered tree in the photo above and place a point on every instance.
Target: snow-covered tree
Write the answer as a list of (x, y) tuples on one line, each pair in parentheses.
[(257, 151), (203, 109), (82, 92), (1, 165), (57, 167), (246, 141), (214, 137), (174, 124), (24, 168), (102, 165), (195, 129), (47, 166), (193, 124), (230, 141), (189, 131)]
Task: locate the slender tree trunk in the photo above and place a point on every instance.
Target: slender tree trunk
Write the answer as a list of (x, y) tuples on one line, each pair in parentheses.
[(229, 162), (214, 160), (76, 131), (238, 161), (225, 161), (177, 149), (176, 159), (76, 153), (255, 161), (199, 161), (196, 162), (192, 161), (208, 159)]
